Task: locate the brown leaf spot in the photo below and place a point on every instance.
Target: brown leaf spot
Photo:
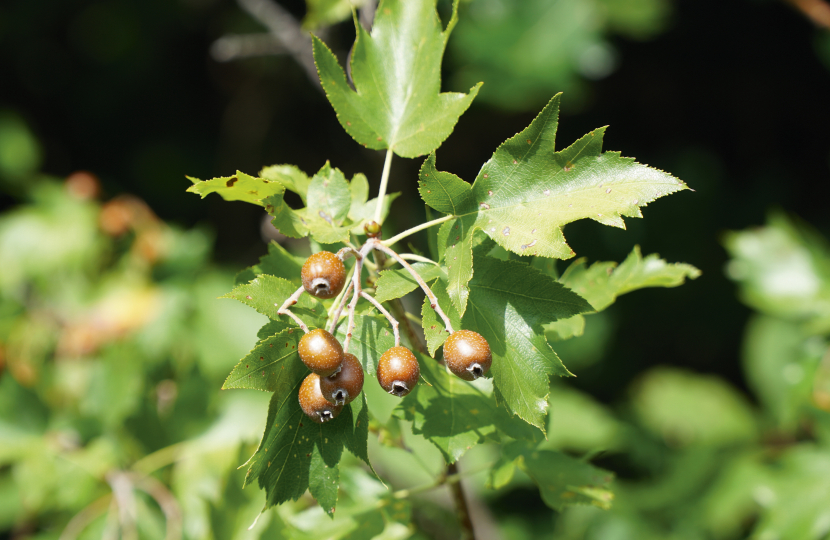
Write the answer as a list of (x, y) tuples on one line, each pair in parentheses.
[(231, 182)]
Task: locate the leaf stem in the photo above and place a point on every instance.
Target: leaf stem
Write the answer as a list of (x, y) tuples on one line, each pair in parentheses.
[(433, 302), (384, 180), (418, 258), (389, 317), (283, 310), (421, 227)]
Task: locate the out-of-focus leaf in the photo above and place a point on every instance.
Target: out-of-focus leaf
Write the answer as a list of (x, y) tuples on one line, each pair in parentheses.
[(396, 71), (689, 409), (321, 13), (780, 361), (578, 422), (602, 282), (783, 270), (562, 480)]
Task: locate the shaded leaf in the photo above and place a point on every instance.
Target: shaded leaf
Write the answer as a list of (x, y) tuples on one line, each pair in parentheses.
[(562, 480), (298, 454), (396, 71)]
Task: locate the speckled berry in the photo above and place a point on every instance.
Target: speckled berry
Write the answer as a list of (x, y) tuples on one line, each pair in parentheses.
[(467, 354), (321, 352), (323, 275), (398, 371), (314, 404), (346, 384)]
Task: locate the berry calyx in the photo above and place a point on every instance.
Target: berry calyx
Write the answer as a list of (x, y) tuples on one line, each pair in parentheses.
[(321, 352), (342, 387), (323, 275), (398, 371), (372, 229), (467, 354), (314, 404)]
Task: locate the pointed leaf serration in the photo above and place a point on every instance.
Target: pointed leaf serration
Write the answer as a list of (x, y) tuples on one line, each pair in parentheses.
[(397, 102), (526, 192)]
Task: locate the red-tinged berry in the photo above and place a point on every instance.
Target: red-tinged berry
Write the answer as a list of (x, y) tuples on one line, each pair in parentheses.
[(467, 354), (345, 385), (321, 352), (314, 404), (398, 371), (323, 275)]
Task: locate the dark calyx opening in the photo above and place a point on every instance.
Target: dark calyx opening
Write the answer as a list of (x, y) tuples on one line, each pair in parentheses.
[(321, 285), (399, 388), (340, 396), (476, 370), (326, 415)]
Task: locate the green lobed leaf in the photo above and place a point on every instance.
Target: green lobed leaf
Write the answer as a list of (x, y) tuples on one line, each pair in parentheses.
[(329, 200), (526, 192), (396, 72), (509, 303), (277, 262), (359, 187), (241, 187), (562, 480), (287, 221), (455, 414), (266, 293), (269, 364), (289, 176), (296, 453), (398, 282), (603, 282)]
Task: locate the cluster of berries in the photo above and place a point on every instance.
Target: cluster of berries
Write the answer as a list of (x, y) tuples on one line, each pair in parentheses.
[(336, 377)]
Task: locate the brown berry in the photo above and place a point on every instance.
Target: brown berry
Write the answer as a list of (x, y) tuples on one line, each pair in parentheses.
[(323, 275), (314, 404), (398, 371), (467, 354), (342, 387), (321, 352)]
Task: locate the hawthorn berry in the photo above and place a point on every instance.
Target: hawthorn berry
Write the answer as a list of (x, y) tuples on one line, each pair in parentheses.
[(320, 352), (323, 275), (398, 371), (342, 387), (312, 402), (467, 354)]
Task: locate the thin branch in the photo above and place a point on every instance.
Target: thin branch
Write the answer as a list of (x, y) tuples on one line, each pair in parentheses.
[(86, 516), (235, 47), (400, 312), (384, 180), (335, 316), (461, 509), (358, 267), (433, 302), (389, 317), (817, 11), (418, 258), (283, 310), (421, 227), (286, 29)]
